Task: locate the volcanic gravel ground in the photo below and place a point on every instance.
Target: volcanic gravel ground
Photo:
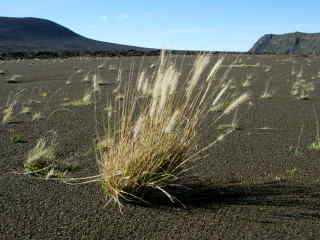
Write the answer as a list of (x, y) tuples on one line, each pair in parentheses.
[(260, 187)]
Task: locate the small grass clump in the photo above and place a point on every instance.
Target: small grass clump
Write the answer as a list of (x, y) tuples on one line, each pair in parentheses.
[(41, 156), (41, 160), (86, 78), (15, 78), (292, 172), (25, 110), (68, 82), (11, 107), (84, 101), (36, 116), (296, 150), (18, 138), (302, 89), (44, 94), (8, 113), (268, 93), (316, 144), (151, 143)]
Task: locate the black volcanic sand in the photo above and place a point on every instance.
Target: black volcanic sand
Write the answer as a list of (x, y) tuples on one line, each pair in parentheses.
[(258, 188)]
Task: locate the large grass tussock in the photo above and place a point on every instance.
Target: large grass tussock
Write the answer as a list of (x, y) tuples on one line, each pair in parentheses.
[(153, 133)]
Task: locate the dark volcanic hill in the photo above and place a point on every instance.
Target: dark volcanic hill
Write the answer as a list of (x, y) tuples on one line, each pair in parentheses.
[(40, 35), (294, 43)]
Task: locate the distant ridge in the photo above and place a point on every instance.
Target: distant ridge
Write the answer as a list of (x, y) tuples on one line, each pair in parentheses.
[(291, 43), (27, 35)]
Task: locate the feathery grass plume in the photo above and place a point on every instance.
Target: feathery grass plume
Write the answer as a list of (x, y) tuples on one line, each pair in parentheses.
[(141, 79), (296, 150), (247, 82), (316, 144), (137, 127), (302, 89), (41, 151), (293, 70), (268, 68), (168, 86), (211, 77), (87, 97), (227, 72), (236, 103), (153, 142), (44, 94), (145, 87), (215, 69), (268, 93), (8, 112), (95, 84), (86, 100), (42, 161), (68, 82), (112, 67), (108, 108), (41, 155), (200, 64), (14, 78), (86, 78), (25, 110), (173, 122), (11, 107), (37, 116), (101, 66), (119, 81), (300, 73)]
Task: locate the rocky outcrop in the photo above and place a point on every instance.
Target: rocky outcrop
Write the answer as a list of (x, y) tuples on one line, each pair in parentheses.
[(291, 43)]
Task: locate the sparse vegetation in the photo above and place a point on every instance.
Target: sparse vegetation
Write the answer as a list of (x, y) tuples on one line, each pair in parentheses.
[(302, 89), (42, 160), (8, 113), (11, 107), (17, 138), (316, 144), (15, 78), (150, 143), (44, 94), (86, 78), (297, 149), (268, 93), (37, 116), (153, 123), (232, 137), (292, 172), (84, 101), (68, 82), (25, 110), (42, 155)]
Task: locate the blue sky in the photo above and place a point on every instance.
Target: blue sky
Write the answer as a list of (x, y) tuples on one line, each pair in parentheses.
[(187, 24)]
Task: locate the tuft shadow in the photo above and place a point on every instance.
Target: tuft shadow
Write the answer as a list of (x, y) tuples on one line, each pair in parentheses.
[(199, 195), (15, 122)]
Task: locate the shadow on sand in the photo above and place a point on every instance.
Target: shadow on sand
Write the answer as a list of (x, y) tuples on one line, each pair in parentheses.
[(277, 194)]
